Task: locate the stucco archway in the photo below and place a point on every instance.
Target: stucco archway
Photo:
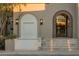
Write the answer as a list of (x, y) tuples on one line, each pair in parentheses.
[(28, 26), (69, 23), (28, 39)]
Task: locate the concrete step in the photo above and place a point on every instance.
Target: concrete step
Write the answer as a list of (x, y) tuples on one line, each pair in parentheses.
[(61, 44)]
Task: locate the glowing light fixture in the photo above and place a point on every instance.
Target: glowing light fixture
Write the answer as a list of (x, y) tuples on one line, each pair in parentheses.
[(41, 21)]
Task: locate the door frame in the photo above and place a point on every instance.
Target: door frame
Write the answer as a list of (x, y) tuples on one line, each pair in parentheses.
[(70, 26)]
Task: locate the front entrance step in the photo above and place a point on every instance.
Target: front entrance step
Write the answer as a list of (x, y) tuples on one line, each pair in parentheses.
[(61, 44)]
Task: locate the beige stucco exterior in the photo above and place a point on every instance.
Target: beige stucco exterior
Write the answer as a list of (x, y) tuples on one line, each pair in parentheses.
[(46, 30)]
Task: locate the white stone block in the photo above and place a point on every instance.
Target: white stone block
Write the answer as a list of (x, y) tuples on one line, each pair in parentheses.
[(28, 44)]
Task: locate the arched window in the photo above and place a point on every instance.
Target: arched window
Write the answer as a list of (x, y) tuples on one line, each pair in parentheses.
[(62, 24)]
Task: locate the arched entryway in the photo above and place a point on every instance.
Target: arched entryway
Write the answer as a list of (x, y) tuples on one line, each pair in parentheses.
[(62, 24), (28, 33), (28, 26)]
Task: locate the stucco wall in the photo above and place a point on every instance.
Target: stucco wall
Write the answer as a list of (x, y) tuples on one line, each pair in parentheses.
[(78, 18), (53, 8), (46, 30)]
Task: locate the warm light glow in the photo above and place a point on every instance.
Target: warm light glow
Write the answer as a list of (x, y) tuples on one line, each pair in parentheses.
[(28, 7), (62, 23), (61, 20)]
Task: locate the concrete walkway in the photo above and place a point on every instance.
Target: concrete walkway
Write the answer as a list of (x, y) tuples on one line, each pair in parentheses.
[(39, 53), (56, 47)]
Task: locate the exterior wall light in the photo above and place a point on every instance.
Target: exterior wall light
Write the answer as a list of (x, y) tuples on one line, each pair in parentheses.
[(41, 21), (17, 21)]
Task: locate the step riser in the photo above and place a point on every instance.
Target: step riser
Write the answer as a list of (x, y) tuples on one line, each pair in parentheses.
[(61, 43)]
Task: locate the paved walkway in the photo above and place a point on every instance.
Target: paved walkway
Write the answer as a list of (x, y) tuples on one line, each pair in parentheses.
[(39, 53), (52, 47)]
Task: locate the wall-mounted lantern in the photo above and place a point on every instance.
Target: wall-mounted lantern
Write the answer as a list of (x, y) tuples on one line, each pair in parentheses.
[(41, 21), (17, 21)]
